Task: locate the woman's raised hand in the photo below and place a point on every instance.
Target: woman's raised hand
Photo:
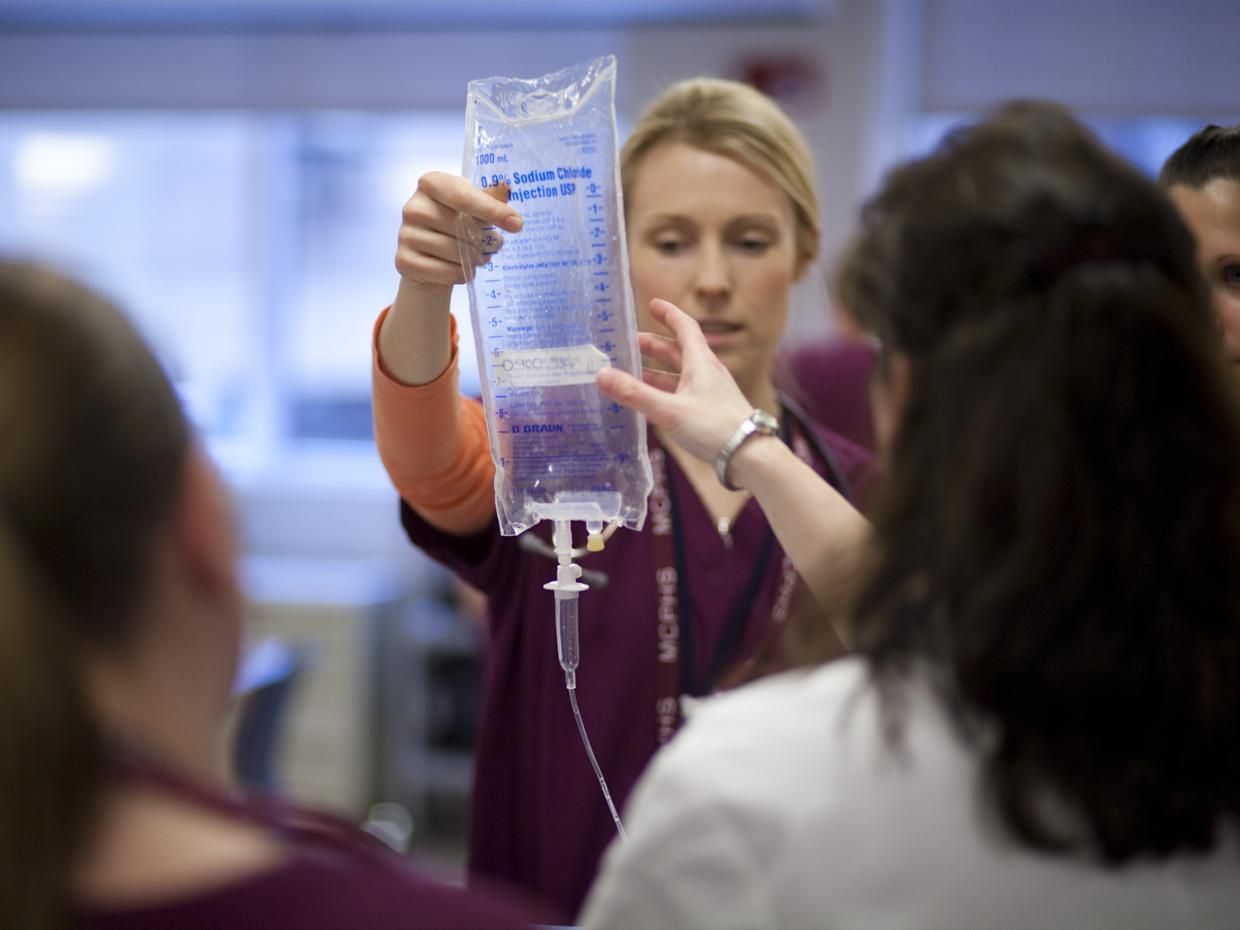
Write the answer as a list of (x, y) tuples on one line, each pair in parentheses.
[(694, 401), (414, 344), (429, 248)]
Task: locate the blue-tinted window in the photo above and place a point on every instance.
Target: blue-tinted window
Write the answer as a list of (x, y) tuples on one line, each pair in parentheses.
[(253, 250), (160, 214)]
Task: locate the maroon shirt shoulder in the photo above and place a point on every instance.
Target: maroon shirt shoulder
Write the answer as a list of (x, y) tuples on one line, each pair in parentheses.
[(313, 892), (854, 461), (831, 379)]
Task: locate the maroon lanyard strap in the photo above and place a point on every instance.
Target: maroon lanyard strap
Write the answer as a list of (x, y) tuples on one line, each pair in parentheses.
[(673, 644), (667, 605)]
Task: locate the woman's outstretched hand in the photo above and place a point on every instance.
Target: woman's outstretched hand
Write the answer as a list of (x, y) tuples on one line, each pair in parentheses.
[(694, 401), (700, 409)]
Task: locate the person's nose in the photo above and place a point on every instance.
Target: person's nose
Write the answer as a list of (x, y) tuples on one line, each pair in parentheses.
[(714, 273)]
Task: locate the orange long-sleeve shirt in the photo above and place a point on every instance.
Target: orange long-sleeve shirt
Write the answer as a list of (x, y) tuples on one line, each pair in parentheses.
[(433, 443)]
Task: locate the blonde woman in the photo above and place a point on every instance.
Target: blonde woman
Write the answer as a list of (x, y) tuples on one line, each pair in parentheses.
[(722, 218)]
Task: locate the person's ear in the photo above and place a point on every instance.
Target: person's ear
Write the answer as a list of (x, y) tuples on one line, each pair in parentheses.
[(203, 530), (804, 262)]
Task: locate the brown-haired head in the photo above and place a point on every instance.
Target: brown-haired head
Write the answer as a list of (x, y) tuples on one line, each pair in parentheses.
[(92, 444), (1063, 380), (1210, 153)]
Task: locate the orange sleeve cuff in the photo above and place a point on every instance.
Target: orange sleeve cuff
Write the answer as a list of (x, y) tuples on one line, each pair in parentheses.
[(433, 443)]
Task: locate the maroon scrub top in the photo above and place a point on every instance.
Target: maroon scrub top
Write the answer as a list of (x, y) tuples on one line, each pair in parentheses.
[(318, 891), (538, 820), (831, 380)]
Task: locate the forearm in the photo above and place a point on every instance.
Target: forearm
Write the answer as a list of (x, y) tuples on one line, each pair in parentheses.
[(817, 527), (433, 444), (415, 342), (819, 530)]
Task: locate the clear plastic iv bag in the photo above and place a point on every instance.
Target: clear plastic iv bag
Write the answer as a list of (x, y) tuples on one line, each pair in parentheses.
[(554, 306)]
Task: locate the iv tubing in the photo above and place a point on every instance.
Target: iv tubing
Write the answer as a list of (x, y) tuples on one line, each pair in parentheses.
[(566, 588), (581, 728)]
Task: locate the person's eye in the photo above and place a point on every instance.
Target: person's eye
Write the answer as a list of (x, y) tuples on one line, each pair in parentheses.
[(1231, 274), (754, 244), (669, 246)]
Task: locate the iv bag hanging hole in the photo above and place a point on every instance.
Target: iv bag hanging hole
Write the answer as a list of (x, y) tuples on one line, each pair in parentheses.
[(540, 103)]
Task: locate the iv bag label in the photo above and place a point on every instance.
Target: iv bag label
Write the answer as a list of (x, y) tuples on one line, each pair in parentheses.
[(528, 368)]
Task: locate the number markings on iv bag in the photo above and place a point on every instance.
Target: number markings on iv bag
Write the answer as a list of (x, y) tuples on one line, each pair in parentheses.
[(549, 367)]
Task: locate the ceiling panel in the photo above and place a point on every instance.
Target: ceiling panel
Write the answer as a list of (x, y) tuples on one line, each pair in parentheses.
[(410, 14)]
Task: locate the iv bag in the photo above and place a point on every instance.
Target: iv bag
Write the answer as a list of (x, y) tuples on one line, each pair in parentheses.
[(554, 305)]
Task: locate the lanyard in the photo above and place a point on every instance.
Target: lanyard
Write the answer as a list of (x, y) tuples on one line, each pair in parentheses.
[(675, 646)]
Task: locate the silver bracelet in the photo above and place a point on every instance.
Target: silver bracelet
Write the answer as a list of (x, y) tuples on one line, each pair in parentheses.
[(758, 423)]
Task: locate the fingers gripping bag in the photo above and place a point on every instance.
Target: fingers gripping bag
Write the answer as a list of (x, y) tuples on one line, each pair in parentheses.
[(551, 305)]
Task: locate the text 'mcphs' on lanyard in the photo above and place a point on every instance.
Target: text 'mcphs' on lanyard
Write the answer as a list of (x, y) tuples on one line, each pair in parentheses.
[(674, 597)]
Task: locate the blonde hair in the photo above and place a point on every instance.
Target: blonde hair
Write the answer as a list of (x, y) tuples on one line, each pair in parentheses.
[(734, 120)]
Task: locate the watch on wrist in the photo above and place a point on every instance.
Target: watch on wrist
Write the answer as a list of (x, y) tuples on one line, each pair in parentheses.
[(758, 423)]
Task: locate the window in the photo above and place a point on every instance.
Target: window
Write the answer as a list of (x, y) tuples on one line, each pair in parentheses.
[(159, 214), (253, 250), (354, 173)]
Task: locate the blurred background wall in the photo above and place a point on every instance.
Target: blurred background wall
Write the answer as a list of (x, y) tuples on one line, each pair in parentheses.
[(233, 173)]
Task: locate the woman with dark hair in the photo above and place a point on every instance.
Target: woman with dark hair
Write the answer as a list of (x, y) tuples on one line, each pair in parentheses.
[(1203, 178), (1039, 726), (120, 628)]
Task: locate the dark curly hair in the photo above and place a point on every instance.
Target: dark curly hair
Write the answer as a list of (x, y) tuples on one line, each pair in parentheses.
[(1058, 534)]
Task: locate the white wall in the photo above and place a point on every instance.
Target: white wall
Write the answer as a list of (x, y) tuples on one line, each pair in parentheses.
[(1105, 57), (882, 59), (430, 69)]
